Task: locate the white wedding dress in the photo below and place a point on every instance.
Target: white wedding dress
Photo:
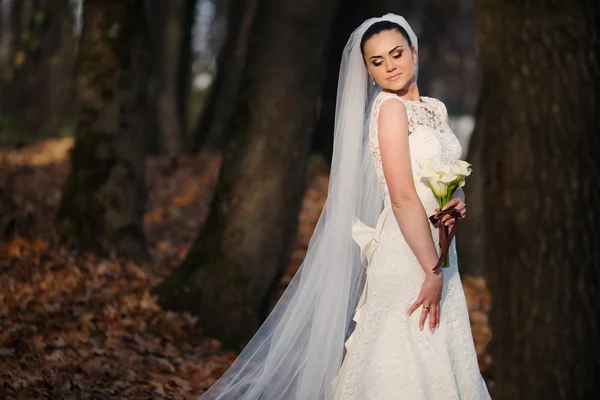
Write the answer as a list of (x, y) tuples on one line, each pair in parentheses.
[(388, 357)]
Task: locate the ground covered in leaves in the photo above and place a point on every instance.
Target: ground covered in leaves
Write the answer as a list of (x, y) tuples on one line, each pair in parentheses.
[(75, 326)]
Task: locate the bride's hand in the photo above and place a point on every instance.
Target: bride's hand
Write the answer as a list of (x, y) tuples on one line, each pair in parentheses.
[(459, 205), (430, 297)]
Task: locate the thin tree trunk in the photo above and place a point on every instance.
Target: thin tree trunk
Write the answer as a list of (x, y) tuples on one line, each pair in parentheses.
[(211, 132), (540, 168), (229, 274), (103, 198), (348, 17), (172, 24), (5, 38), (36, 88)]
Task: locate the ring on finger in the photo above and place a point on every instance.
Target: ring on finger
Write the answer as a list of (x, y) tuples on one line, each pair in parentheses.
[(426, 307)]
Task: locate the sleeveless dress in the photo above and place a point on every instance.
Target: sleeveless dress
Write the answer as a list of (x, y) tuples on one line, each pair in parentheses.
[(387, 356)]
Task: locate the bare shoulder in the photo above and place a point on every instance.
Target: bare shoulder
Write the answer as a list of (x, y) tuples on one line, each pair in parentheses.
[(392, 117), (392, 107)]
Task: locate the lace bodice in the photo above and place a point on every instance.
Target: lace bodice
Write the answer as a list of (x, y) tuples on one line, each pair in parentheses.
[(429, 135)]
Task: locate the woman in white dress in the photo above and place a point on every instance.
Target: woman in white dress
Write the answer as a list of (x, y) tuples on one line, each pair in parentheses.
[(404, 346), (366, 317)]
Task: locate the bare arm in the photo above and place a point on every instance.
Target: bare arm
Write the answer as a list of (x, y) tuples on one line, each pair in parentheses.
[(406, 205), (408, 209)]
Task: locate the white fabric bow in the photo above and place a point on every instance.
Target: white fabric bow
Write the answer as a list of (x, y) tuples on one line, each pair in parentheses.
[(368, 239)]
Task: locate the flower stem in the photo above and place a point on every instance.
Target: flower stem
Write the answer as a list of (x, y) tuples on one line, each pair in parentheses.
[(442, 201), (446, 262)]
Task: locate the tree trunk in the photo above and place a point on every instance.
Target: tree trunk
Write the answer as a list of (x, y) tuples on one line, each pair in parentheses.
[(349, 16), (172, 24), (5, 37), (469, 241), (232, 268), (36, 88), (103, 198), (540, 168), (211, 132)]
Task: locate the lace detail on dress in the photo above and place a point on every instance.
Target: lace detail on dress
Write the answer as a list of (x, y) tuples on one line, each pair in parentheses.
[(429, 135)]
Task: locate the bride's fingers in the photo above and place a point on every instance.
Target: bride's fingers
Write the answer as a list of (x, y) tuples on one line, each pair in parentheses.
[(452, 203), (460, 206), (432, 317), (415, 305), (424, 313)]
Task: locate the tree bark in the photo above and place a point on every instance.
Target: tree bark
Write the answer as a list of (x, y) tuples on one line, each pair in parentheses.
[(469, 241), (36, 88), (540, 155), (232, 268), (172, 24), (5, 38), (103, 198), (211, 132)]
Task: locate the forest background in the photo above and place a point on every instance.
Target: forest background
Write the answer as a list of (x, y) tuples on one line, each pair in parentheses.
[(163, 165)]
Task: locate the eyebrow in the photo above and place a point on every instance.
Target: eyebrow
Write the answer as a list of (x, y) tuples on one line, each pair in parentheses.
[(390, 52)]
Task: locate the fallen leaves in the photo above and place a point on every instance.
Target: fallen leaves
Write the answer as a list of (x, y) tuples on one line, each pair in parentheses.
[(91, 326), (77, 326)]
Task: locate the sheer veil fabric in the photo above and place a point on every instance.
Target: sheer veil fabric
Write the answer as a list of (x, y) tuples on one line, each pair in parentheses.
[(297, 352)]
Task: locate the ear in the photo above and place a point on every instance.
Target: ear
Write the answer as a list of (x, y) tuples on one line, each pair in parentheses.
[(414, 53)]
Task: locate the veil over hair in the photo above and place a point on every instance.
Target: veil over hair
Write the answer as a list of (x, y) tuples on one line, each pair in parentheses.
[(297, 352)]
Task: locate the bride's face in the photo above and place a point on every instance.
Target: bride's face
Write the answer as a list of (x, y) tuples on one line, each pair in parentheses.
[(390, 60)]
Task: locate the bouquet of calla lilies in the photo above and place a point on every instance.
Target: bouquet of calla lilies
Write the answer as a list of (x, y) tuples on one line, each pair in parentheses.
[(443, 180)]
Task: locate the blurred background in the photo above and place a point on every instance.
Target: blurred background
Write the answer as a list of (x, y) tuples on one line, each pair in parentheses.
[(163, 165)]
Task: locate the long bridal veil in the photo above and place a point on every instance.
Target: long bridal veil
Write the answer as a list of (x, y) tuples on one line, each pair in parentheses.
[(298, 350)]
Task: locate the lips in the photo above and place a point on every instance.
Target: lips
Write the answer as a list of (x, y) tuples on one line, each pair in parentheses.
[(394, 77)]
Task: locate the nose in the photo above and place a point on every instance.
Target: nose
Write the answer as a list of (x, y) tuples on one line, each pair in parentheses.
[(391, 67)]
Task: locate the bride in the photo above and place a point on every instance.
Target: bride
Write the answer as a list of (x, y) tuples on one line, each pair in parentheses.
[(366, 317)]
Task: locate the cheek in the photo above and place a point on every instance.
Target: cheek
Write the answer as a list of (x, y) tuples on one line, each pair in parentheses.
[(375, 73), (407, 63)]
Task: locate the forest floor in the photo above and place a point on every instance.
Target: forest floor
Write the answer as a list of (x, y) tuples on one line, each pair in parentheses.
[(75, 326)]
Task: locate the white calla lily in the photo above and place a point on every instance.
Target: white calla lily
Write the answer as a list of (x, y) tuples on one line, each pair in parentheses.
[(448, 177), (427, 171), (461, 168), (444, 179), (438, 188)]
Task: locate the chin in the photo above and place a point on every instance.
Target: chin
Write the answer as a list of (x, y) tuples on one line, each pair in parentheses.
[(395, 86)]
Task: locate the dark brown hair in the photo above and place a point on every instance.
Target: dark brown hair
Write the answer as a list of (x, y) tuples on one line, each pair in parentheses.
[(379, 27)]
